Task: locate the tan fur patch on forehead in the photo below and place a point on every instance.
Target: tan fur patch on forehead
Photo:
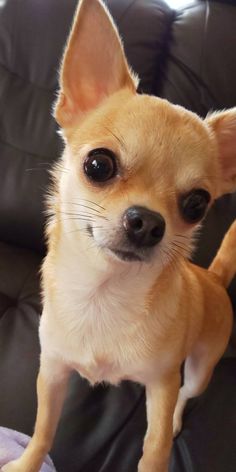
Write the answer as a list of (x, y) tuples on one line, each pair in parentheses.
[(140, 119), (165, 145)]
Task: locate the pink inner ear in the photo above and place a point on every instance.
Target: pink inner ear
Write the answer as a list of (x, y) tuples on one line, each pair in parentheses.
[(227, 148), (229, 164), (223, 125), (90, 96)]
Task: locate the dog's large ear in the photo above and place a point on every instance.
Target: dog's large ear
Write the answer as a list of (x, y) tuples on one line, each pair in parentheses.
[(223, 125), (94, 64)]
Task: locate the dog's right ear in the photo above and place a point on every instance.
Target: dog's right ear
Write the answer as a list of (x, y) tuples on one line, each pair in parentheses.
[(94, 65)]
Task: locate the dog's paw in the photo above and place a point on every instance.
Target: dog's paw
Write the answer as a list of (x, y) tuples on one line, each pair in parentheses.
[(151, 466), (177, 425), (12, 467)]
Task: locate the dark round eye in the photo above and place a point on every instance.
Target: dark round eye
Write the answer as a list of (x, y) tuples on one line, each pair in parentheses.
[(100, 165), (193, 205)]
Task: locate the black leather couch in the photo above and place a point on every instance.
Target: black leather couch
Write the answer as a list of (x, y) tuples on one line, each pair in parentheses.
[(187, 57)]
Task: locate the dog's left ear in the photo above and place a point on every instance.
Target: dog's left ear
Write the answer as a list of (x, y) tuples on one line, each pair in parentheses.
[(223, 125), (94, 64)]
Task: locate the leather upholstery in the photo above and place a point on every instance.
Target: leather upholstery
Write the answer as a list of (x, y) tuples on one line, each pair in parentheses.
[(187, 57)]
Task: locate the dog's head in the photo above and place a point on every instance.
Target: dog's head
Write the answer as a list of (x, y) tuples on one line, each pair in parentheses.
[(138, 173)]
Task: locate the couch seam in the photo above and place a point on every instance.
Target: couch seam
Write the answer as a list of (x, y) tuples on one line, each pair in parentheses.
[(23, 285), (26, 152), (24, 79)]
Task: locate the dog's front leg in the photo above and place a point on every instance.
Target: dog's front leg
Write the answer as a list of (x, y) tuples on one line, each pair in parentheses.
[(51, 387), (161, 399)]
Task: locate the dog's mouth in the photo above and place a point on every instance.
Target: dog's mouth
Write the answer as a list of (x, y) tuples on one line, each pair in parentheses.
[(128, 256), (124, 254)]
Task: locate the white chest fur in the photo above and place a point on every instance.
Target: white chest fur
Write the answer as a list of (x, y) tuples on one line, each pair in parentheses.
[(99, 323)]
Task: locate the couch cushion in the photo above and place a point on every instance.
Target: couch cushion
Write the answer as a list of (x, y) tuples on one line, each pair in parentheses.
[(19, 347), (199, 69), (144, 25)]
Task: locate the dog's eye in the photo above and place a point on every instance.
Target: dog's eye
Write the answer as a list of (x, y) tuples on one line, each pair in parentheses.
[(100, 165), (193, 205)]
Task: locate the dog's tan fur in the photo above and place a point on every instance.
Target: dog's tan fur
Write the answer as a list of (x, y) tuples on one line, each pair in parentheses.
[(109, 319)]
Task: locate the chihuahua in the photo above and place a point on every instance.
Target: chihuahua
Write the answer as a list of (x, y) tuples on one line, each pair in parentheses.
[(121, 298)]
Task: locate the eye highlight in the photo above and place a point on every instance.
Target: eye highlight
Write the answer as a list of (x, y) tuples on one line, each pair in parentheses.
[(100, 165), (193, 205)]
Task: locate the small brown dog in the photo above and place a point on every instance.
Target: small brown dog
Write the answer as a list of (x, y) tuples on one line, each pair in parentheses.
[(121, 299)]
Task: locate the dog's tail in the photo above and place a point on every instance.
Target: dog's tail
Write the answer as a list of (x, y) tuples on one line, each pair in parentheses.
[(224, 264)]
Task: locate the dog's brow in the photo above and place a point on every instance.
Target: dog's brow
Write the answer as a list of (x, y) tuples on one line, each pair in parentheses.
[(118, 138)]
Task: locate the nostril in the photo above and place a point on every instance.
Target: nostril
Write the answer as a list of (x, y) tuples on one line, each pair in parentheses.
[(136, 223), (157, 232)]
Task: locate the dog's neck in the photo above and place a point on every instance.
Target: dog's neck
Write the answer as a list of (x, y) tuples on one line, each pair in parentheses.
[(93, 273)]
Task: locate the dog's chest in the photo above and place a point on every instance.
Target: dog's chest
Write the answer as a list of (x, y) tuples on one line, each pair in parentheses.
[(103, 346), (105, 331), (102, 337), (99, 369)]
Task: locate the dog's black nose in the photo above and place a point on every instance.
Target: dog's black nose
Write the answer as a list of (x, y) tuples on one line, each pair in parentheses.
[(144, 228)]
